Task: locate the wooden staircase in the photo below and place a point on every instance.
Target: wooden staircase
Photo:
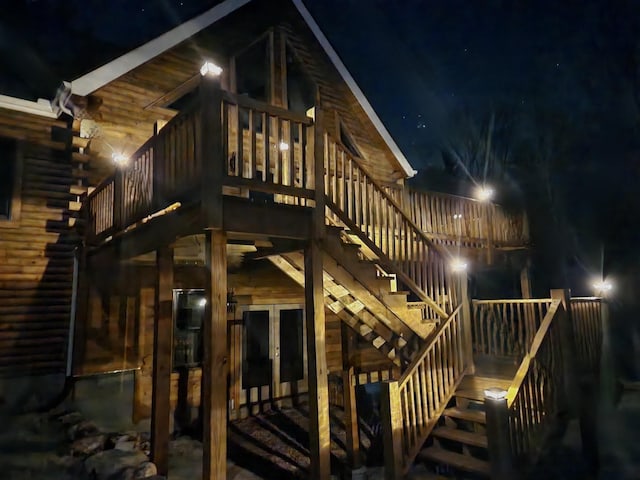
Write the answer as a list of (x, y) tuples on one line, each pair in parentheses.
[(364, 296), (459, 443)]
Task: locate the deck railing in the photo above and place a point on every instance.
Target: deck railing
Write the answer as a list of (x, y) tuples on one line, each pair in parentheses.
[(586, 314), (411, 406), (537, 392), (357, 201), (506, 328), (460, 221)]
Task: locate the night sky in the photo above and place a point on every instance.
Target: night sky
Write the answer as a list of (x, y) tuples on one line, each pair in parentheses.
[(562, 76)]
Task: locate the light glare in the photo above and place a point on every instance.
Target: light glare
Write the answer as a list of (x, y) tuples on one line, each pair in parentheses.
[(119, 158), (284, 146), (458, 265), (602, 286), (484, 193), (210, 68)]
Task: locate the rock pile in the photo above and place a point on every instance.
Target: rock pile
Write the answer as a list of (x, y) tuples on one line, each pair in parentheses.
[(97, 455)]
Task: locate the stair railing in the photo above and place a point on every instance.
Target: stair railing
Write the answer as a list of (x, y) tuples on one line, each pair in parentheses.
[(506, 328), (356, 200), (411, 406), (537, 392), (587, 314)]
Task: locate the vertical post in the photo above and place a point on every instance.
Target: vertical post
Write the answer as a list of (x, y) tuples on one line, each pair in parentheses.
[(467, 340), (319, 441), (349, 395), (162, 352), (159, 169), (211, 151), (391, 419), (118, 191), (498, 438), (525, 280), (318, 154), (569, 357), (490, 233), (81, 314), (215, 365)]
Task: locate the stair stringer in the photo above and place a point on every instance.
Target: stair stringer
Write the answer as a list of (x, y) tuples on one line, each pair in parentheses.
[(351, 265), (349, 309)]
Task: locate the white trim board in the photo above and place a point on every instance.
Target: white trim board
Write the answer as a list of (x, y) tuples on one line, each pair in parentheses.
[(40, 107)]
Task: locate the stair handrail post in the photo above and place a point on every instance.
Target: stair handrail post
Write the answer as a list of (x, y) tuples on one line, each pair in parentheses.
[(391, 419), (319, 226), (158, 184), (569, 352), (466, 321), (118, 192), (211, 150), (498, 436)]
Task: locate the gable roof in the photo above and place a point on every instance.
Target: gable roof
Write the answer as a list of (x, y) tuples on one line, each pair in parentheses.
[(90, 82)]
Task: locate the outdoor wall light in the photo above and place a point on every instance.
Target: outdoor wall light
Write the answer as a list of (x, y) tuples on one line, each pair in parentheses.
[(457, 216), (602, 287), (119, 158), (202, 302), (484, 193), (283, 146), (210, 68), (458, 265), (495, 393)]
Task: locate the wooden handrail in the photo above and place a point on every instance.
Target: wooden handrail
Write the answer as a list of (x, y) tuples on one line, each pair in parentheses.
[(537, 390), (587, 317), (273, 110)]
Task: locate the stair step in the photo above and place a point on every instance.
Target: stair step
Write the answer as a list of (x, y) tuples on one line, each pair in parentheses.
[(461, 436), (466, 414), (456, 460)]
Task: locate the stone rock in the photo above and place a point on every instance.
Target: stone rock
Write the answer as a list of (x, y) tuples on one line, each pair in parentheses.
[(88, 445), (71, 418), (146, 470), (126, 446), (145, 447), (104, 465), (85, 428)]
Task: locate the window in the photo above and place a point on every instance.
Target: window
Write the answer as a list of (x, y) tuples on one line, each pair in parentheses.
[(253, 71), (10, 181), (301, 91)]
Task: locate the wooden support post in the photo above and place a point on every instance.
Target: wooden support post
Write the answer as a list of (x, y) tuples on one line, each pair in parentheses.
[(211, 150), (490, 233), (319, 441), (215, 365), (498, 437), (162, 353), (319, 228), (81, 314), (391, 419), (525, 280), (349, 399), (570, 367), (466, 323)]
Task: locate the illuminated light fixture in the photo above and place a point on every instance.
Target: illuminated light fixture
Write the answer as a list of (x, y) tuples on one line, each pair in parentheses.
[(457, 216), (211, 69), (283, 146), (119, 158), (495, 393), (202, 302), (602, 286), (484, 193), (458, 265)]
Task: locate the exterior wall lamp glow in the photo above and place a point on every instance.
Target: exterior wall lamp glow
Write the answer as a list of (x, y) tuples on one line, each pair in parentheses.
[(484, 193), (284, 146), (458, 265), (119, 159), (211, 69), (602, 287)]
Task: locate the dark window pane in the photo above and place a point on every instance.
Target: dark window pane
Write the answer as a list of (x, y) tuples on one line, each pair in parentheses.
[(187, 338), (253, 72), (301, 91), (291, 346), (257, 364)]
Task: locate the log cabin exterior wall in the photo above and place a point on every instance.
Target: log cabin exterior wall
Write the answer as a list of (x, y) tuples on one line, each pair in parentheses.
[(36, 250)]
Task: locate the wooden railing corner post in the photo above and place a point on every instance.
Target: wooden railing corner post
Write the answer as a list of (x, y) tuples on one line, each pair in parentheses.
[(158, 169), (118, 192), (489, 216), (499, 441), (571, 371), (211, 150), (391, 418), (466, 322)]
